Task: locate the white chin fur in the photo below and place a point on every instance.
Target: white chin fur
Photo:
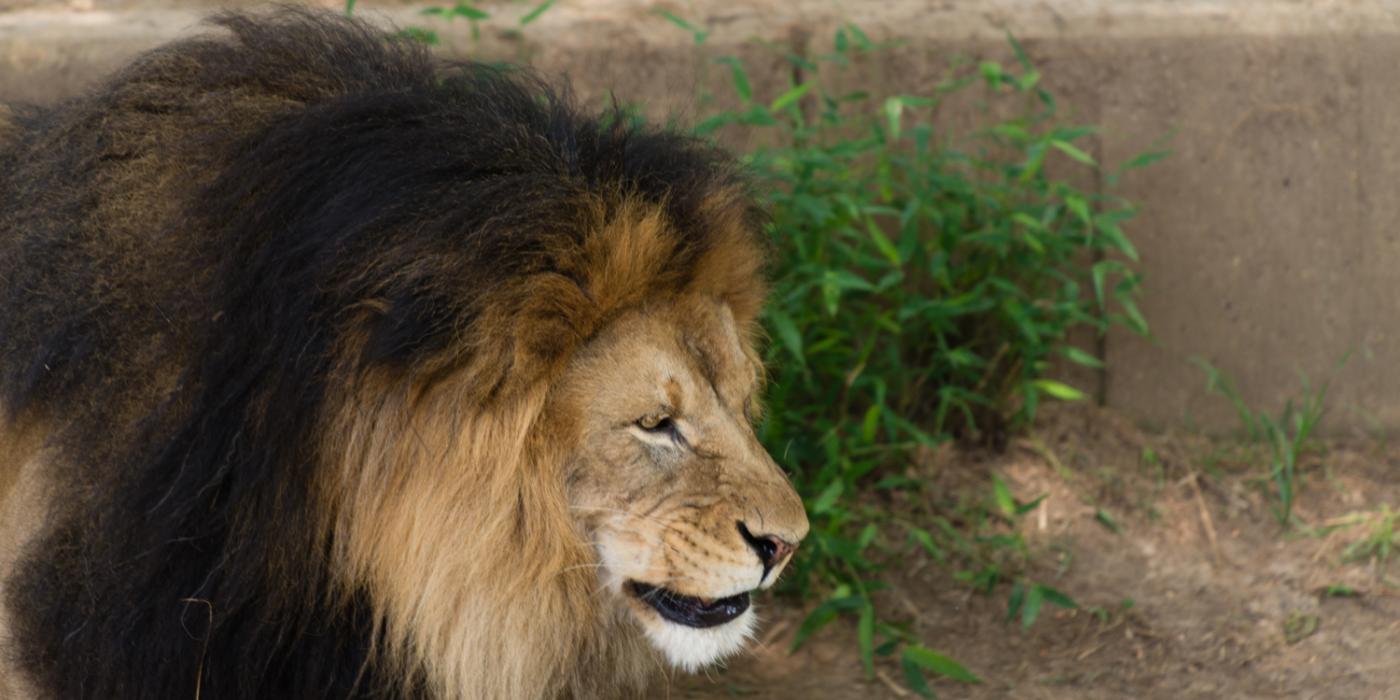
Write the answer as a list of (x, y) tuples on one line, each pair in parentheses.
[(692, 648)]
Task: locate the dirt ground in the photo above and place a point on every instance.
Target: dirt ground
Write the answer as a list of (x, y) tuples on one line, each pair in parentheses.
[(1224, 602)]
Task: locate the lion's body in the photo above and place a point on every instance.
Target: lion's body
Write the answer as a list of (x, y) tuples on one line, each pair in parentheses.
[(289, 403)]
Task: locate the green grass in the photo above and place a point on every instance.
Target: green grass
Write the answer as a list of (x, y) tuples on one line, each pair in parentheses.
[(1381, 541), (1287, 436)]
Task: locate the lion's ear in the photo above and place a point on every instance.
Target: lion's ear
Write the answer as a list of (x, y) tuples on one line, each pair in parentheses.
[(405, 326), (552, 317)]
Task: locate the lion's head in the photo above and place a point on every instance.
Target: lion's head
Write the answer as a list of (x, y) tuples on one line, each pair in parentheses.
[(611, 490), (687, 511), (414, 380)]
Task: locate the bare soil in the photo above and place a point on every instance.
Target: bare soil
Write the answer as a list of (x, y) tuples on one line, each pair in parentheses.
[(1225, 603)]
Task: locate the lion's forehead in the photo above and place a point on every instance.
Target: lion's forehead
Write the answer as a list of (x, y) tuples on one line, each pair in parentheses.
[(726, 356), (675, 355)]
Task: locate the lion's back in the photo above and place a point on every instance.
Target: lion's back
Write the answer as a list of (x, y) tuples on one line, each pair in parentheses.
[(108, 260), (114, 269)]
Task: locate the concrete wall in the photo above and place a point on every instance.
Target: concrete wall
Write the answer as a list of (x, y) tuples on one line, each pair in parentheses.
[(1269, 238)]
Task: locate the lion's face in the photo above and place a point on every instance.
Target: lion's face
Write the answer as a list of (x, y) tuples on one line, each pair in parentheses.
[(686, 510)]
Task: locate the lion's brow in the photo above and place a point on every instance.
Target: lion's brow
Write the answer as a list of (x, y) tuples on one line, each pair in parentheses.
[(704, 361), (673, 392)]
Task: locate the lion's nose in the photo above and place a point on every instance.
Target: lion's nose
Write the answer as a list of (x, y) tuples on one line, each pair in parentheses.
[(771, 550)]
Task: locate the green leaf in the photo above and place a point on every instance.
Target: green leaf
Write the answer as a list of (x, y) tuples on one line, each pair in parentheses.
[(1002, 495), (867, 535), (991, 72), (1073, 133), (883, 243), (1099, 272), (1136, 321), (870, 424), (1033, 242), (699, 34), (1106, 519), (349, 7), (1059, 390), (1080, 208), (925, 540), (715, 122), (894, 107), (1079, 357), (1023, 508), (828, 497), (1340, 591), (1019, 51), (846, 279), (791, 96), (419, 34), (1028, 221), (1035, 157), (534, 14), (1030, 607), (914, 676), (823, 614), (896, 481), (1015, 599), (1111, 231), (461, 9), (831, 296), (740, 77), (1143, 160), (470, 12), (937, 663), (861, 39), (1073, 151), (1056, 597), (788, 335)]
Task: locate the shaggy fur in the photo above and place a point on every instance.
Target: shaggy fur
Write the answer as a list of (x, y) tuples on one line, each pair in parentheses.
[(291, 303)]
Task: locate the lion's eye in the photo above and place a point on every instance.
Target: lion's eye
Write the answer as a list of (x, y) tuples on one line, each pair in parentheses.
[(657, 424)]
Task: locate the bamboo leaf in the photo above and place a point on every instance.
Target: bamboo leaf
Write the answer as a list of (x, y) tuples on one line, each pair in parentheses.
[(937, 663), (534, 14)]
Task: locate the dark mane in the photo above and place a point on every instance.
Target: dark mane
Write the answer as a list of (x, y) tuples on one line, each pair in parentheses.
[(185, 256)]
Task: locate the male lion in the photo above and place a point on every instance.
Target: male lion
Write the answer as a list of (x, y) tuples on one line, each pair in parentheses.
[(330, 371)]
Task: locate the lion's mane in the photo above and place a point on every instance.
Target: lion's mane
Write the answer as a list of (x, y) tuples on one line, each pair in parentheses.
[(289, 299)]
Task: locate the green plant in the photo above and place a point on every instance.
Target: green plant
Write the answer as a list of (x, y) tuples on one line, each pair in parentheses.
[(472, 13), (1287, 436), (1380, 542), (925, 278), (1027, 597)]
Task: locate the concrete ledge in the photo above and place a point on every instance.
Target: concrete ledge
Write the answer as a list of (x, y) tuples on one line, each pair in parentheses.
[(1268, 239)]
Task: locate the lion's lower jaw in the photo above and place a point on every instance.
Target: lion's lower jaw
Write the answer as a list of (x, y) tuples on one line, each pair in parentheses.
[(692, 648)]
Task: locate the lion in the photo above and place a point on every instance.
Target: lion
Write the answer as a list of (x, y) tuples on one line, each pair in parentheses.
[(329, 370)]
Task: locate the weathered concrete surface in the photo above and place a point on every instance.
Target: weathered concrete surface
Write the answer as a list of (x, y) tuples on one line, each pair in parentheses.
[(1268, 239), (1264, 250)]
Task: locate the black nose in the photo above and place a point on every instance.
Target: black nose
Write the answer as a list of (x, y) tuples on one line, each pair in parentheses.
[(771, 550)]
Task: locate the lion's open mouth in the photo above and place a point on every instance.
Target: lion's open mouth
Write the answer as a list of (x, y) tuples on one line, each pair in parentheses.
[(688, 610)]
